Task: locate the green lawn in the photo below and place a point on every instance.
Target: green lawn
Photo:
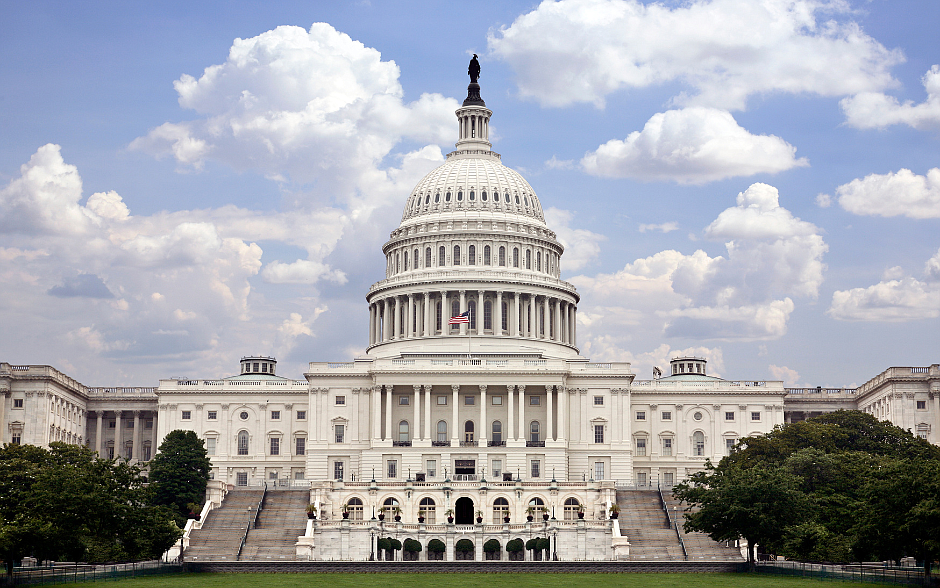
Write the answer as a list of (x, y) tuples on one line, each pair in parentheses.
[(478, 580)]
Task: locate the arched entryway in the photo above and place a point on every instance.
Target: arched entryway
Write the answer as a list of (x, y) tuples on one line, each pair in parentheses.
[(463, 511)]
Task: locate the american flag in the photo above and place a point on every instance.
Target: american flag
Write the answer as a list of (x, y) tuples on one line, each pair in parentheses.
[(460, 319)]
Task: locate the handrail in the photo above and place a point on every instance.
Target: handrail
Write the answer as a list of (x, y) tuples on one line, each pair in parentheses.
[(671, 522), (252, 522)]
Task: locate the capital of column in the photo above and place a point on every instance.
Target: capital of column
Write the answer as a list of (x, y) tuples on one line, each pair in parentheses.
[(483, 388), (521, 388), (455, 388), (417, 388)]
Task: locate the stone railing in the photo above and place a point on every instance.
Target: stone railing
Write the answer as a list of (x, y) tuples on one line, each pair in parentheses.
[(122, 392), (899, 372), (514, 364), (42, 371), (706, 385), (166, 385), (416, 277)]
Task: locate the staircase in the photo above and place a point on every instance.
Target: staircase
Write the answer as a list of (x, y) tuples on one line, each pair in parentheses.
[(224, 527), (644, 523), (700, 546), (283, 518)]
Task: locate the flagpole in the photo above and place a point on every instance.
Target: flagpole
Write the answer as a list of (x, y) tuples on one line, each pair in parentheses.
[(469, 334)]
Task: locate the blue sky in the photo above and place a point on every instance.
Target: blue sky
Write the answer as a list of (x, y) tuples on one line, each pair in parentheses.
[(187, 183)]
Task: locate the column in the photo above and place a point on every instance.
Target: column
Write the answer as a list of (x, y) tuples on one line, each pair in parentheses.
[(483, 424), (396, 322), (428, 329), (550, 430), (99, 414), (412, 318), (574, 325), (155, 440), (135, 447), (463, 309), (562, 411), (511, 421), (445, 328), (454, 439), (378, 323), (498, 325), (427, 412), (388, 412), (523, 434), (376, 400), (118, 441), (533, 327), (371, 324), (547, 335), (416, 427), (556, 322), (387, 320), (515, 314), (479, 329)]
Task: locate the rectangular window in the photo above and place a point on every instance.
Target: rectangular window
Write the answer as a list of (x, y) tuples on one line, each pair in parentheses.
[(275, 415), (921, 405), (641, 478), (497, 401), (468, 400), (432, 468), (147, 452), (535, 400), (187, 415), (641, 447), (337, 470), (598, 433), (111, 424), (667, 446), (536, 468), (148, 424), (130, 424), (497, 469), (441, 400), (669, 478), (212, 415), (667, 415), (17, 403), (210, 446), (641, 415), (299, 475), (300, 445), (729, 416), (598, 470), (598, 401), (241, 479), (340, 401), (729, 445), (340, 431), (922, 434), (110, 452), (404, 400), (275, 446), (301, 415), (16, 438), (755, 416), (392, 465)]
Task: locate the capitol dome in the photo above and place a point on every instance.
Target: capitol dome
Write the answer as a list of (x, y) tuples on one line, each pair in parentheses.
[(472, 244)]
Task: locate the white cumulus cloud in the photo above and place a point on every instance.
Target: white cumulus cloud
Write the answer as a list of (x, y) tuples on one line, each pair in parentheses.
[(691, 146), (789, 376), (724, 51), (878, 110), (893, 194), (581, 246)]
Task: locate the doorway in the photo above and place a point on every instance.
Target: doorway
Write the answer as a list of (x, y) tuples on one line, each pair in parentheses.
[(463, 511)]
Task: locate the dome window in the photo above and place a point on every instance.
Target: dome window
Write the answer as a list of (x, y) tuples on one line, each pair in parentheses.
[(526, 200), (472, 195), (483, 196), (517, 199), (427, 199), (437, 198), (447, 197), (459, 195)]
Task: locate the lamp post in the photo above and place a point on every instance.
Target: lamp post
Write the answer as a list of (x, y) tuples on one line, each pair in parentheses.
[(371, 545)]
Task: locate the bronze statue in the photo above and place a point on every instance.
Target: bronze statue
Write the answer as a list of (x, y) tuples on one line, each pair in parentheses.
[(474, 69)]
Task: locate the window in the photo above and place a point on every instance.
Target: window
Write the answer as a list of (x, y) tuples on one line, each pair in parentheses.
[(243, 443), (538, 261), (535, 400), (468, 400), (403, 432), (130, 424), (338, 468), (339, 432), (392, 468), (486, 255), (300, 446), (301, 415), (111, 424), (755, 416), (497, 468), (487, 315), (528, 259), (148, 424), (641, 447), (275, 415), (500, 510), (210, 446), (641, 415), (456, 255), (667, 415), (497, 436), (502, 256), (432, 468), (454, 311), (598, 433), (505, 317), (427, 257), (212, 415), (515, 257), (354, 506), (429, 508), (441, 431), (497, 400), (598, 470), (534, 431), (669, 478), (110, 451), (472, 255), (403, 400), (147, 451), (17, 403), (729, 445), (698, 444), (536, 468), (275, 446), (921, 405), (473, 313), (667, 446), (299, 475), (406, 261), (468, 431), (340, 401), (729, 416), (598, 401), (442, 401), (241, 479), (187, 415), (441, 256), (243, 416)]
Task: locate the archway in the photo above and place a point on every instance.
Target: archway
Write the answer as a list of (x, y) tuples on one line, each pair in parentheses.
[(463, 511)]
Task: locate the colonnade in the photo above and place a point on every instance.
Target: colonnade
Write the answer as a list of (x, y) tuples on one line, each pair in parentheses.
[(426, 314), (140, 417), (517, 420)]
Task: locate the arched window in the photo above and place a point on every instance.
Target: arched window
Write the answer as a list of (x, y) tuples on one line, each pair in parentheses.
[(497, 433), (427, 198), (243, 443), (473, 313), (472, 195), (403, 436), (698, 443), (437, 198), (486, 255), (438, 316), (502, 256), (454, 311), (505, 317), (483, 196), (406, 261), (459, 194), (415, 258), (534, 431), (468, 431), (515, 257), (397, 263), (427, 257), (389, 507), (538, 261), (442, 431), (500, 510), (447, 197), (456, 254), (517, 198), (528, 259), (429, 508), (572, 506), (487, 315), (441, 256), (472, 255), (354, 507)]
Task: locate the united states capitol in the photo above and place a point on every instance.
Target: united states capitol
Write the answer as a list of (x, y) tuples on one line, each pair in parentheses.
[(472, 415)]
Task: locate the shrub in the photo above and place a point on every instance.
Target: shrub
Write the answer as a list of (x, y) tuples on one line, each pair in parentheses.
[(491, 546), (394, 544), (412, 546), (543, 544), (464, 545), (532, 544), (382, 544), (436, 546), (515, 545)]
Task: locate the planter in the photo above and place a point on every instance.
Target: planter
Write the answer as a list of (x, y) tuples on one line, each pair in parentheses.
[(529, 518), (580, 515), (479, 520), (450, 520), (381, 516), (420, 519), (506, 520), (311, 516), (614, 515), (345, 515), (545, 517), (397, 518)]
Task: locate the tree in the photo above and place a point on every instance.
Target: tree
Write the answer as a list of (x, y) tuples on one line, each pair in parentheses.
[(179, 473)]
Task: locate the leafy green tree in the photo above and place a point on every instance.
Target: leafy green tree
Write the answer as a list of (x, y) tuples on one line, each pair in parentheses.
[(179, 473)]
